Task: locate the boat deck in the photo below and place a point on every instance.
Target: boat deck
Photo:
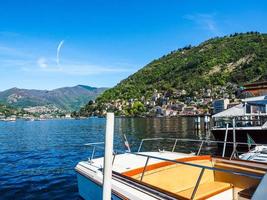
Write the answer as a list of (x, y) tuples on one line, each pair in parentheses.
[(170, 175), (180, 180)]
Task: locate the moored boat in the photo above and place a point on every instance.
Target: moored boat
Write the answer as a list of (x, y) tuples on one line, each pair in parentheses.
[(170, 175), (243, 121), (259, 154)]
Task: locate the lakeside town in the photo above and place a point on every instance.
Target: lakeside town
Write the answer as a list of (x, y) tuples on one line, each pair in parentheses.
[(36, 113), (161, 104), (180, 103)]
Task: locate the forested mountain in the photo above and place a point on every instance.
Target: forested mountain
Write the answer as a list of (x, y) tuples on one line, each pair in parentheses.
[(238, 59)]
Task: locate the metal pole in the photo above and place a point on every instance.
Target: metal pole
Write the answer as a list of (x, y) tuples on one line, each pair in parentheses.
[(108, 157), (225, 139), (92, 155), (197, 184), (126, 143), (234, 139), (199, 150), (140, 146), (197, 123), (144, 170), (113, 160), (206, 121), (173, 148)]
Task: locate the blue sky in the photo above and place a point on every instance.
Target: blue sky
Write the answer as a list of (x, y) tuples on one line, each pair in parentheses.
[(106, 41)]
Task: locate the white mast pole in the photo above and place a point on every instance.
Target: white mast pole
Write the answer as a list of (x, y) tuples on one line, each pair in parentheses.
[(108, 157)]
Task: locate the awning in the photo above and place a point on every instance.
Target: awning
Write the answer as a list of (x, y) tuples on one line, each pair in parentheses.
[(258, 103), (235, 111)]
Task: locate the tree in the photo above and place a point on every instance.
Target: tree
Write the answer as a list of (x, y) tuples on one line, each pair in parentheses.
[(137, 109)]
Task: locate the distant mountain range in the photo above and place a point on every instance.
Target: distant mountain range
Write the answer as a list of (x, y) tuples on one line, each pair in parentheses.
[(66, 98)]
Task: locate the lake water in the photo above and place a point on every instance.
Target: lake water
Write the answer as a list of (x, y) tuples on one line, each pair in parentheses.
[(37, 159)]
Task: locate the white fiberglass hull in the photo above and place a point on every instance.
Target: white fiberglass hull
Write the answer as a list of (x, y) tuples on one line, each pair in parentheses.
[(90, 177)]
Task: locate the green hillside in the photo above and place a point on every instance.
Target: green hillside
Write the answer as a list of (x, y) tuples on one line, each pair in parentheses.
[(66, 98), (238, 59), (6, 111)]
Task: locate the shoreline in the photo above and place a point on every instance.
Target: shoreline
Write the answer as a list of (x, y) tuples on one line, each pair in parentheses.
[(83, 118)]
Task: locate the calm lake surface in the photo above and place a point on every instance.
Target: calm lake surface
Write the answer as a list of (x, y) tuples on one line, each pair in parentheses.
[(37, 159)]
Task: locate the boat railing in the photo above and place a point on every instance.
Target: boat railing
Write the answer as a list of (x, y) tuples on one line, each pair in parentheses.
[(201, 143), (244, 121), (97, 146)]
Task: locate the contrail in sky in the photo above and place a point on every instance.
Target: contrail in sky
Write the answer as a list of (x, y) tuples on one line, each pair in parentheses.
[(58, 50)]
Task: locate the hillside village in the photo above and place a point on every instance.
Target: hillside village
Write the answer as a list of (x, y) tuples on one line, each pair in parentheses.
[(8, 113), (160, 104), (178, 102)]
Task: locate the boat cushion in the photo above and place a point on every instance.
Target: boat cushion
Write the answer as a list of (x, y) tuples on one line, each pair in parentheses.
[(177, 177), (237, 180), (205, 190)]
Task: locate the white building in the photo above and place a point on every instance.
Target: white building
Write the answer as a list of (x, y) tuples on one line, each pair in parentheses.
[(68, 115)]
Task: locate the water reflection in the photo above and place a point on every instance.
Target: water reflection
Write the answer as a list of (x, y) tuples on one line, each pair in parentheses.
[(139, 128)]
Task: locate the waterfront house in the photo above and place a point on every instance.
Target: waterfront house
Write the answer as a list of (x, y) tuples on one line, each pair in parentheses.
[(256, 89), (189, 110)]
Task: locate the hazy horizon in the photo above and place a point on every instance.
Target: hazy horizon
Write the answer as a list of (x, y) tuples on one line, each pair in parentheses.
[(67, 86)]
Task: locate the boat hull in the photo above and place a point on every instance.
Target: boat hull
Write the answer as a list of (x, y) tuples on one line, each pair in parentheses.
[(91, 190), (259, 136)]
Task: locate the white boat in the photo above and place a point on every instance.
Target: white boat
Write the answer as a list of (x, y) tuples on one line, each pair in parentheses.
[(259, 154), (247, 118), (170, 175), (29, 119)]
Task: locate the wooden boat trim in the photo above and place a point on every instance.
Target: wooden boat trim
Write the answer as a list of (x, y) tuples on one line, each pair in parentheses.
[(164, 164), (245, 163)]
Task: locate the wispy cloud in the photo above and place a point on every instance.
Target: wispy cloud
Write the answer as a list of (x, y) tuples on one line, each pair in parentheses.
[(42, 63), (30, 63), (58, 50), (78, 69), (205, 21)]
